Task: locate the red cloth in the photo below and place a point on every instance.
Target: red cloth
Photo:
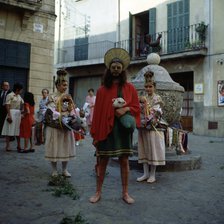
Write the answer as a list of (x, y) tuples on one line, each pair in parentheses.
[(26, 122), (103, 117)]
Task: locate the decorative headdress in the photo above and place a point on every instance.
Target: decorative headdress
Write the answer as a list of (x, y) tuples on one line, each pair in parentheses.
[(117, 55), (149, 77), (61, 76)]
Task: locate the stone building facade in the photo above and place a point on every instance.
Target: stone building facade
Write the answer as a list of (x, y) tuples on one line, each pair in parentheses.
[(190, 49), (27, 43)]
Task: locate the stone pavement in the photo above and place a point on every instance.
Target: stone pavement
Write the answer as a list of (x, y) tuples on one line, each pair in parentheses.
[(184, 197)]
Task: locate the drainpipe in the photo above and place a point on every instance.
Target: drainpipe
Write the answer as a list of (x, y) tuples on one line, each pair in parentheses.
[(59, 32), (119, 23)]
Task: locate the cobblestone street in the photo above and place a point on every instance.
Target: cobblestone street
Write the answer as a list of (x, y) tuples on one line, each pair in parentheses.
[(184, 197)]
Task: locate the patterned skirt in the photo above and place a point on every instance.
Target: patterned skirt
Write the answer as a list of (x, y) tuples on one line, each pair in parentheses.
[(118, 143), (59, 145)]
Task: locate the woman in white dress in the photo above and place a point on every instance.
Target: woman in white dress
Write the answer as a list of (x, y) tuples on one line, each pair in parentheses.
[(14, 104), (59, 143)]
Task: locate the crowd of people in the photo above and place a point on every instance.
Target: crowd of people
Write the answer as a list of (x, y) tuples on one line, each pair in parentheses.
[(60, 125)]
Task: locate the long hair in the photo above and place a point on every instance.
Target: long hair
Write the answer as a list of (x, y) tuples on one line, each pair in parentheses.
[(17, 86), (29, 98), (108, 78)]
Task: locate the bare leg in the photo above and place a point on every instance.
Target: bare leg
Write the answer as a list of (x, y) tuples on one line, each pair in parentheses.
[(100, 178), (18, 143), (31, 143), (26, 140), (124, 166), (7, 141)]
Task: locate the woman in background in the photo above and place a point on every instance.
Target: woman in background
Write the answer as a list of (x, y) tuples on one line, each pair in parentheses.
[(27, 122), (14, 104), (90, 99)]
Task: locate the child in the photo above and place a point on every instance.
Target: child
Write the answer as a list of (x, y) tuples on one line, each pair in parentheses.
[(151, 143), (27, 122), (79, 135)]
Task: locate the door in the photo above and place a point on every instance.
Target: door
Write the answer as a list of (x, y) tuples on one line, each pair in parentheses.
[(79, 87), (14, 62), (186, 80)]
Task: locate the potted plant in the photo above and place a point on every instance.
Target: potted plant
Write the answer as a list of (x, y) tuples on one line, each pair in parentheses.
[(201, 30)]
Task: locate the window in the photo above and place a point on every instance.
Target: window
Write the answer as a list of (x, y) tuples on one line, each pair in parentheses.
[(177, 25)]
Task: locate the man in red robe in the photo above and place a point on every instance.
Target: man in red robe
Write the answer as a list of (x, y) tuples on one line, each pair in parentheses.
[(110, 136)]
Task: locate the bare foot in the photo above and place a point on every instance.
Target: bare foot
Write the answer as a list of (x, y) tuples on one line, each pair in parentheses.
[(95, 198), (128, 199)]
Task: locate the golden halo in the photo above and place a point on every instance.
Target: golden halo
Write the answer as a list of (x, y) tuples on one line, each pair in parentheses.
[(117, 53)]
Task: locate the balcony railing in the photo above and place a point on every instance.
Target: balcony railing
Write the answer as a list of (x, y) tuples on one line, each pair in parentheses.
[(167, 42), (183, 39)]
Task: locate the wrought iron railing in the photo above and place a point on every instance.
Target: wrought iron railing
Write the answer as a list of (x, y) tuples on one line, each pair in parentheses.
[(167, 42)]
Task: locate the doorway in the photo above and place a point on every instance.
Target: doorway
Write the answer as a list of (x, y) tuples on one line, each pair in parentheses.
[(186, 79)]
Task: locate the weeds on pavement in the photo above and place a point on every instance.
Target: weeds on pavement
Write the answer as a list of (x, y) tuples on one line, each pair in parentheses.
[(78, 219), (62, 186)]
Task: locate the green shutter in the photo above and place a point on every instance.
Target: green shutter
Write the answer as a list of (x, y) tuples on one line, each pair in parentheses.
[(81, 49), (152, 23), (177, 25)]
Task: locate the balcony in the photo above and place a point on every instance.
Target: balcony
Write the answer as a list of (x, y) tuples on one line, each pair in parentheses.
[(176, 43)]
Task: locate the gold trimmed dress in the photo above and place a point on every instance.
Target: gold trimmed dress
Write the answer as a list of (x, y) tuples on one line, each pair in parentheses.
[(151, 143), (59, 143)]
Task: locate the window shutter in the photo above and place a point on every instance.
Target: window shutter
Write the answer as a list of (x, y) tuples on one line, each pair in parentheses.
[(177, 25), (81, 49), (152, 23)]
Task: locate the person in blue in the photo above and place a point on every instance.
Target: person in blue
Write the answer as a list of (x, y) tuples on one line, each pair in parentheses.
[(39, 128)]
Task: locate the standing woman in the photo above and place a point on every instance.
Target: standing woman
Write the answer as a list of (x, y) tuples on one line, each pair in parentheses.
[(151, 143), (27, 122), (5, 90), (110, 137), (59, 143), (14, 104), (90, 99), (40, 129)]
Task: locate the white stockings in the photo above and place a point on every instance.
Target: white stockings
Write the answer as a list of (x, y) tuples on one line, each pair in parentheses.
[(150, 178)]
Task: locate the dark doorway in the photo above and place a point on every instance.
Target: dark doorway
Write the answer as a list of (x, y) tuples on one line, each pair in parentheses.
[(186, 79)]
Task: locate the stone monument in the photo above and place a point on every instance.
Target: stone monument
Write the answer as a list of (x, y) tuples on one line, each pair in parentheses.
[(170, 91), (172, 95)]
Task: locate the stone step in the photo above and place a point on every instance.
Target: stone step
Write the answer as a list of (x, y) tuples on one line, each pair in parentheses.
[(173, 162)]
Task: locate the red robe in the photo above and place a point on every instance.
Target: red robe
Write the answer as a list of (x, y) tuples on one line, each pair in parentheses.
[(103, 117)]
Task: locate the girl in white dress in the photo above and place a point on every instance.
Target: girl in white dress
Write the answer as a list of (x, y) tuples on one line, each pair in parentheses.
[(59, 143), (151, 143)]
